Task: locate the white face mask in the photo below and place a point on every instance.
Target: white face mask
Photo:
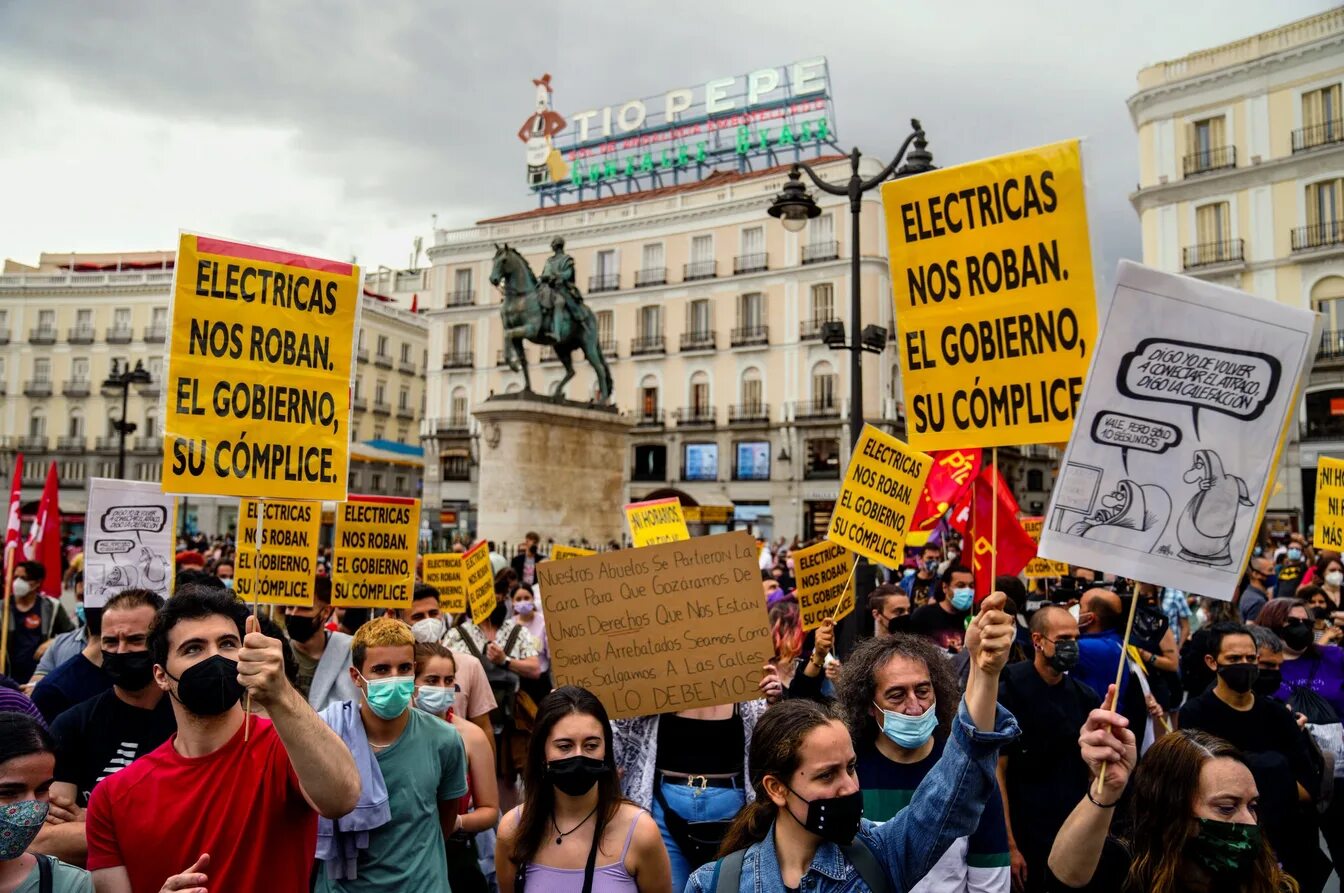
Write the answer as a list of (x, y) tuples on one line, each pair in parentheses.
[(431, 629), (1073, 610), (1334, 578), (22, 588)]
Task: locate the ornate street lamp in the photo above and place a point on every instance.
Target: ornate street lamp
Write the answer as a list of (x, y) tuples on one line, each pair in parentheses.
[(123, 379)]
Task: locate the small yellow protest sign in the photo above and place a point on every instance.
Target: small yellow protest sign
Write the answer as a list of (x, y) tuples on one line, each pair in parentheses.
[(284, 570), (1329, 504), (1040, 568), (656, 521), (478, 581), (823, 583), (373, 562), (443, 571), (560, 553), (881, 489), (991, 270)]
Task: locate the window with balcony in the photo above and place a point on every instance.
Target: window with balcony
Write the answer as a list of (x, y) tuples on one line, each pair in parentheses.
[(751, 389), (3, 380), (1208, 148), (606, 276), (753, 257), (821, 309), (82, 333), (380, 392), (74, 428), (151, 430), (1213, 238), (650, 462), (823, 386), (376, 482), (1325, 216), (699, 333), (381, 349), (1322, 119), (457, 408), (606, 332), (700, 406), (42, 370), (121, 319), (1327, 296), (650, 333), (650, 407), (652, 268), (751, 328), (821, 243), (158, 325), (405, 352), (79, 370), (702, 265), (37, 424), (462, 293), (404, 399), (45, 333), (460, 353)]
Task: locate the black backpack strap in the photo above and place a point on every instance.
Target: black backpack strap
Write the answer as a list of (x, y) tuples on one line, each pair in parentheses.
[(866, 864), (513, 638), (45, 883), (728, 872), (470, 644)]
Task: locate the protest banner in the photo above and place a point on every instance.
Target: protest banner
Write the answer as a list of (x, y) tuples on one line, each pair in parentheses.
[(881, 489), (1040, 568), (661, 628), (443, 571), (560, 553), (128, 540), (373, 561), (656, 521), (1329, 517), (284, 566), (478, 581), (258, 375), (823, 574), (991, 269), (1186, 409)]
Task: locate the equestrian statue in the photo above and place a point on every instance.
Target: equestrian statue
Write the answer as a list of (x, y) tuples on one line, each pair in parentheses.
[(550, 312)]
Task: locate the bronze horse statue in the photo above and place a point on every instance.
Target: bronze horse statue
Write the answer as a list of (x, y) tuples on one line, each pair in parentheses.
[(523, 316)]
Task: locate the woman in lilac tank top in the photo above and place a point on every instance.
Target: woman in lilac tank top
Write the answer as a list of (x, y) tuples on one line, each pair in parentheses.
[(574, 832)]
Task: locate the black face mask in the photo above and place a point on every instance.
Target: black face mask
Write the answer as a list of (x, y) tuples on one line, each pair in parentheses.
[(210, 687), (1296, 634), (129, 670), (1268, 682), (301, 629), (576, 776), (899, 624), (834, 819), (1239, 677), (1320, 613), (1065, 657)]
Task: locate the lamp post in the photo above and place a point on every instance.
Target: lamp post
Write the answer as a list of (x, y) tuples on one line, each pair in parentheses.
[(794, 207), (123, 379)]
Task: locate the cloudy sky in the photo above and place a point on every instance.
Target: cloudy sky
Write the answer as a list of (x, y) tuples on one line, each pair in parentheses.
[(341, 127)]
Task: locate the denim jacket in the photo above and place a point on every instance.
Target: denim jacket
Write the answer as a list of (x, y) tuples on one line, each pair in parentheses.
[(947, 805)]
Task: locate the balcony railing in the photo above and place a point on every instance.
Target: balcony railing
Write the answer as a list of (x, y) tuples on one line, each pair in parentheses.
[(1327, 133), (35, 443), (383, 360), (647, 344), (749, 335), (156, 334), (119, 335), (75, 389), (42, 336), (80, 335), (1209, 254), (751, 263), (147, 445), (698, 340), (500, 359), (108, 444), (649, 418), (816, 409), (359, 403), (810, 329), (453, 426), (1318, 235), (1218, 159), (4, 336), (462, 298), (150, 389), (362, 354), (651, 276), (700, 269), (70, 444), (817, 252), (37, 389), (382, 407), (608, 346), (689, 416), (407, 366), (1332, 345), (604, 282), (459, 360), (405, 412), (748, 414)]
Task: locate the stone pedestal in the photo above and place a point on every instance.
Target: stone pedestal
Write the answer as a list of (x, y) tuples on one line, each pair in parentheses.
[(557, 468)]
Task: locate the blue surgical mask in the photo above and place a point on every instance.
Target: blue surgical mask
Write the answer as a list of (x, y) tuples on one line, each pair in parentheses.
[(79, 614), (963, 598), (435, 699), (908, 573), (388, 698), (1294, 554), (227, 581), (909, 732)]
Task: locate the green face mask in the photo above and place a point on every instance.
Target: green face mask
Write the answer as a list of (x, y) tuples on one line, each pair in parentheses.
[(1224, 849), (388, 698)]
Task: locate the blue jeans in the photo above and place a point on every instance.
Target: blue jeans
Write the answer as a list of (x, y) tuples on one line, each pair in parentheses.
[(694, 805)]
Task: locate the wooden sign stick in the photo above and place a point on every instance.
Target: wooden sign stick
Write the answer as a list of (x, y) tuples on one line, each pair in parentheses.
[(1119, 675), (256, 568)]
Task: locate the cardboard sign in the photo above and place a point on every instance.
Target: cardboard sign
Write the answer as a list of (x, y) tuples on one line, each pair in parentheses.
[(991, 271), (1040, 568), (823, 580), (1187, 406), (478, 582), (373, 562), (656, 521), (881, 489), (128, 540), (560, 553), (285, 568), (662, 628), (1329, 519), (443, 571), (258, 375)]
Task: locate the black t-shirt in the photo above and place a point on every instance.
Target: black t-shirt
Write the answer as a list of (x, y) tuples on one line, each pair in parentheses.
[(24, 637), (932, 622), (73, 682), (105, 734)]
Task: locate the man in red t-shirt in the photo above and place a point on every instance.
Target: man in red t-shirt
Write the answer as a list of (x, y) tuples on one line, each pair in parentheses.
[(208, 809)]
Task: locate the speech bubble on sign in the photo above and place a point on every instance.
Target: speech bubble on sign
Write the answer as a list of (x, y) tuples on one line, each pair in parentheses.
[(1133, 433), (1239, 383), (135, 518), (113, 547)]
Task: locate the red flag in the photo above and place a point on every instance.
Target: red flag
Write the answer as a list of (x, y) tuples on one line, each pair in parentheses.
[(44, 539), (974, 516), (949, 479), (415, 302), (15, 497)]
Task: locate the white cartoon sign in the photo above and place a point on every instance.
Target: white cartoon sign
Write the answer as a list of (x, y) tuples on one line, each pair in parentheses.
[(128, 541)]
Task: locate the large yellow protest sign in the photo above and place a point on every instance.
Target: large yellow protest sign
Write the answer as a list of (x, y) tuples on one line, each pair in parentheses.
[(443, 571), (823, 574), (258, 377), (283, 570), (373, 562), (881, 488), (1329, 504), (991, 272), (1040, 568), (656, 521), (478, 580), (560, 553)]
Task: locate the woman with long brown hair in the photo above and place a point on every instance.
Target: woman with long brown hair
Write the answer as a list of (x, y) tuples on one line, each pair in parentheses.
[(1194, 818)]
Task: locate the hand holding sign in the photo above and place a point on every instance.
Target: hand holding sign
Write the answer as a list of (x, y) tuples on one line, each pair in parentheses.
[(990, 635), (261, 665), (1108, 746)]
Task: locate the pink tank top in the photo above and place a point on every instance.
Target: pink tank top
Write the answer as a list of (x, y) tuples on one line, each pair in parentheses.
[(611, 878)]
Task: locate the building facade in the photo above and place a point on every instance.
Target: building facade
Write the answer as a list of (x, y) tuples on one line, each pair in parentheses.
[(1241, 182), (65, 321)]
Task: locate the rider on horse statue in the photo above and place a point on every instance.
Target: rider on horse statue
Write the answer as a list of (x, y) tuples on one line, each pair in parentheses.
[(560, 291)]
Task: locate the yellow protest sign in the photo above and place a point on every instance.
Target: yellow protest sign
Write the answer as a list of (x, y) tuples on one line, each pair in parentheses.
[(560, 553), (1039, 568), (991, 272), (373, 562), (1329, 504), (258, 376), (478, 581), (823, 581), (656, 521), (443, 571), (284, 567), (881, 488)]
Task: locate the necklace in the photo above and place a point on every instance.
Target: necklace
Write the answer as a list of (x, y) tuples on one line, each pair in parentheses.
[(561, 835)]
